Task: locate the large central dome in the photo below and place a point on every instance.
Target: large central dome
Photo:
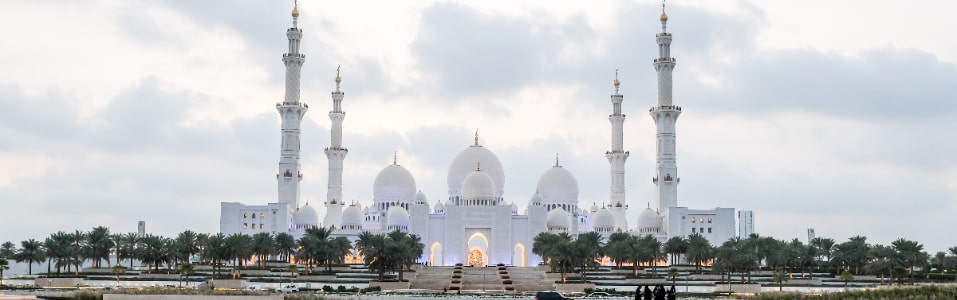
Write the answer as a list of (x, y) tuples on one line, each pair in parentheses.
[(394, 184), (465, 163), (559, 187)]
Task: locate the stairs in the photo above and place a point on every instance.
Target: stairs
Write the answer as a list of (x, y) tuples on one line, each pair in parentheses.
[(432, 278)]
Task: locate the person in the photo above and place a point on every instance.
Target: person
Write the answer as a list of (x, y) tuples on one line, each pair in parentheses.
[(638, 293), (445, 290), (647, 293), (659, 292), (672, 295)]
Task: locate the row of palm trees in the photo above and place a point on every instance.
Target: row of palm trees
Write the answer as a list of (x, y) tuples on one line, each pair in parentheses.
[(69, 251), (902, 257)]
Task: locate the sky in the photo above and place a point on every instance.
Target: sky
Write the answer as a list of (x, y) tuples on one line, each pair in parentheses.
[(832, 115)]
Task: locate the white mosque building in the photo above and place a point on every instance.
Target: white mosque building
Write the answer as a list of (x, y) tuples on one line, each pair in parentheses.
[(475, 225)]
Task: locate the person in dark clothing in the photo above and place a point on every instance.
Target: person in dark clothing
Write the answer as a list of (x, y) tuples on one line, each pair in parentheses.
[(647, 293), (672, 295), (638, 293), (659, 292)]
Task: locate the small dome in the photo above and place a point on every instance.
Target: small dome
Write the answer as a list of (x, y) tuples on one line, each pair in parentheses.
[(306, 215), (558, 186), (439, 207), (420, 198), (594, 207), (393, 184), (478, 185), (603, 219), (397, 216), (536, 200), (649, 219), (557, 218), (351, 215)]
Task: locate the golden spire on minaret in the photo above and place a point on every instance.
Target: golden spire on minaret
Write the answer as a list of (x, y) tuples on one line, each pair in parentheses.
[(476, 137), (664, 17), (556, 160), (338, 78), (395, 158), (478, 166), (295, 9), (617, 83)]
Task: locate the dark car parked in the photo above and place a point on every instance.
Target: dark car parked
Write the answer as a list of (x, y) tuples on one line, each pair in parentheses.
[(550, 296)]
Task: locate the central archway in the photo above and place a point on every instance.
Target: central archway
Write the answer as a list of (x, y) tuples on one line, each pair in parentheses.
[(435, 255), (477, 254)]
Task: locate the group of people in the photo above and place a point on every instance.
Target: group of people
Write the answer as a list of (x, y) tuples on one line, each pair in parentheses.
[(659, 293)]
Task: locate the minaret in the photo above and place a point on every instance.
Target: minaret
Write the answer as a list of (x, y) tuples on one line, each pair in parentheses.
[(665, 115), (616, 158), (336, 154), (291, 111)]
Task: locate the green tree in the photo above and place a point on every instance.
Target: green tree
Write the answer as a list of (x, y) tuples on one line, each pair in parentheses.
[(780, 277), (700, 250), (617, 247), (911, 254), (149, 250), (128, 249), (4, 265), (185, 246), (884, 259), (824, 247), (651, 247), (587, 251), (186, 270), (293, 272), (263, 246), (675, 247), (216, 251), (118, 270), (372, 249), (30, 251), (97, 245), (239, 247), (673, 274), (8, 250), (285, 245), (845, 277)]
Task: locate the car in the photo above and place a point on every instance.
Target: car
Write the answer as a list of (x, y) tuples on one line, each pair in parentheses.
[(598, 295), (550, 296), (254, 287), (289, 288)]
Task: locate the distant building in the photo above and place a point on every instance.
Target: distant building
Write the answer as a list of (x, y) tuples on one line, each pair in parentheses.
[(810, 235), (141, 228), (745, 223)]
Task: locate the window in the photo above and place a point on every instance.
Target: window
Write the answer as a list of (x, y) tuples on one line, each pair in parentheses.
[(693, 220), (261, 225), (245, 225), (701, 229), (709, 229), (245, 215), (700, 220), (709, 220), (262, 216), (693, 229)]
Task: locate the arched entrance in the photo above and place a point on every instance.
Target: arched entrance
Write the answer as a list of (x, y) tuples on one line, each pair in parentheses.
[(518, 255), (435, 255), (477, 255)]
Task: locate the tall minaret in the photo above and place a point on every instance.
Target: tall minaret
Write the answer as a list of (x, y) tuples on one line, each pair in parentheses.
[(336, 154), (291, 111), (616, 158), (665, 115)]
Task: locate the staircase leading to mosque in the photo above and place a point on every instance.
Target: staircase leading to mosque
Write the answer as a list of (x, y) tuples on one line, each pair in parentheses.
[(432, 278), (481, 279)]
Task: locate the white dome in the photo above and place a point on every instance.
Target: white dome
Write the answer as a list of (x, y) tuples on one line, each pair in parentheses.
[(558, 186), (514, 209), (393, 184), (306, 215), (478, 185), (648, 219), (397, 216), (420, 198), (603, 218), (438, 208), (536, 200), (351, 215), (557, 218), (465, 163)]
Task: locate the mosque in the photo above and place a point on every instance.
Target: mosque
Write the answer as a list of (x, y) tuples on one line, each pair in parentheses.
[(475, 225)]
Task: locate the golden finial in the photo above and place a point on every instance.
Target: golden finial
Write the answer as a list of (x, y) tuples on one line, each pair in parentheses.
[(478, 166), (476, 137), (664, 17), (617, 83), (395, 158), (556, 160), (338, 78), (295, 9)]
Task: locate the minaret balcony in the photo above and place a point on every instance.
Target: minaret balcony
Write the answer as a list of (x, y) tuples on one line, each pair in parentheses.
[(297, 104), (666, 59), (665, 107), (299, 55)]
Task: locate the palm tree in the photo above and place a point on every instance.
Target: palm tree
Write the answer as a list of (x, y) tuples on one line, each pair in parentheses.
[(588, 249), (7, 250), (185, 270), (185, 246), (216, 251), (80, 251), (4, 265), (543, 245), (675, 247), (263, 246), (30, 251), (117, 245), (824, 247), (98, 245), (372, 248), (780, 277), (285, 246), (617, 247), (239, 248), (293, 271), (118, 270), (129, 242), (652, 247), (911, 254), (699, 250), (884, 259), (149, 250)]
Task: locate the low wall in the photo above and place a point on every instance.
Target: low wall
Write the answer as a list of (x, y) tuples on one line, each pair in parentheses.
[(188, 297), (804, 281), (229, 283), (707, 277), (646, 281), (388, 286), (573, 287), (748, 288), (58, 282), (159, 276)]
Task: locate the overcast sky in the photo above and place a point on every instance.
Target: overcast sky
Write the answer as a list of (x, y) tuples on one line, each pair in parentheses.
[(833, 115)]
